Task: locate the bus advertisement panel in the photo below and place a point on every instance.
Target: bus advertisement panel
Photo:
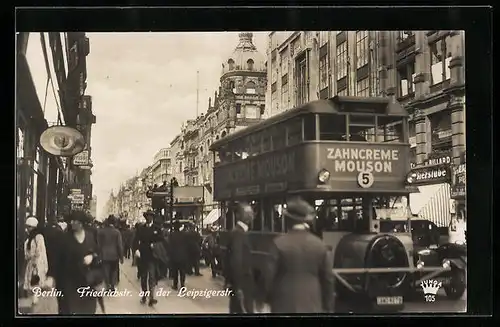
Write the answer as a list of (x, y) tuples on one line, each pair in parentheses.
[(267, 173), (365, 166)]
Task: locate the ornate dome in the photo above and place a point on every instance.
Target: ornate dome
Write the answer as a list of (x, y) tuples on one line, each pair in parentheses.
[(245, 57)]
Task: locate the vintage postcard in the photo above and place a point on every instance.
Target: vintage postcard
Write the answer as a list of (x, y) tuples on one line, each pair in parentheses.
[(241, 172)]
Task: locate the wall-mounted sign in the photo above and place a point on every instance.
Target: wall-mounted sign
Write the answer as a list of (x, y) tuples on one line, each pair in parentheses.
[(81, 159), (458, 188), (430, 175), (441, 160), (77, 198)]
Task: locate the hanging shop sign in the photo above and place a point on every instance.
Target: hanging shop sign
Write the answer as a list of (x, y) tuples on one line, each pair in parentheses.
[(429, 175), (81, 159)]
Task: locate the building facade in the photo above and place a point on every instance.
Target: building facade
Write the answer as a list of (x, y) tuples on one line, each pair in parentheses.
[(162, 166), (50, 90), (423, 70)]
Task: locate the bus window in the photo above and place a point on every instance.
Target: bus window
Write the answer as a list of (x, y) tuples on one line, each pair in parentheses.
[(255, 144), (361, 128), (266, 141), (332, 127), (310, 127), (390, 130), (294, 131), (278, 137)]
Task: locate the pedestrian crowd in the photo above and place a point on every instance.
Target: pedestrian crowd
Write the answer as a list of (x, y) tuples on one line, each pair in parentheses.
[(77, 251)]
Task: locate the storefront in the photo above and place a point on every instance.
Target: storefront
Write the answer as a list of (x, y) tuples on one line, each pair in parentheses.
[(432, 179)]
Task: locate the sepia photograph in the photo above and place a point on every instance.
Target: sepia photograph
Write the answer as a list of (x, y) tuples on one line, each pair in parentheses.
[(244, 172)]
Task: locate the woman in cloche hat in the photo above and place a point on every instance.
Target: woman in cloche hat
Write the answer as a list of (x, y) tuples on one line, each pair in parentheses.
[(35, 254), (300, 266)]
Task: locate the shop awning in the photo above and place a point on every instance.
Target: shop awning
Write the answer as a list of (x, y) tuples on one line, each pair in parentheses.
[(432, 203), (211, 217)]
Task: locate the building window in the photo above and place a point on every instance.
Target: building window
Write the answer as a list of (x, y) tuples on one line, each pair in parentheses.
[(343, 92), (302, 90), (406, 74), (250, 89), (238, 108), (342, 60), (440, 60), (250, 64), (284, 89), (363, 87), (323, 72), (362, 48), (230, 63), (273, 87)]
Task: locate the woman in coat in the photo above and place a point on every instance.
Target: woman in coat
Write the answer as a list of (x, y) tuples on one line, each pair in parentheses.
[(35, 274), (81, 251), (300, 268)]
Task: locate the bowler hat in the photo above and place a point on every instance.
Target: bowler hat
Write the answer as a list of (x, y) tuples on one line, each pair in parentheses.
[(244, 213), (299, 210)]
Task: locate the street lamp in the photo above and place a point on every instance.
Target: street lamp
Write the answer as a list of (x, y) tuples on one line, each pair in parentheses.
[(173, 183)]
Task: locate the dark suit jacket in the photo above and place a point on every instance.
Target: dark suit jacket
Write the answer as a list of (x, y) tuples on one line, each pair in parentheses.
[(300, 274), (145, 237), (54, 244), (239, 261), (179, 248), (110, 241)]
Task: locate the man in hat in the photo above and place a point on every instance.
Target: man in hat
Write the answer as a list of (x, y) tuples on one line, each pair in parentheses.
[(110, 241), (239, 276), (300, 267), (146, 237), (178, 252)]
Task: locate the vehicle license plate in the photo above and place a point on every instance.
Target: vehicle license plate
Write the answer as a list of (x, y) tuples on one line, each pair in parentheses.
[(389, 300)]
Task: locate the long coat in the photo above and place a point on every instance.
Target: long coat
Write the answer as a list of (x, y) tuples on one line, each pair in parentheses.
[(300, 274), (110, 241), (179, 249), (145, 237), (238, 261)]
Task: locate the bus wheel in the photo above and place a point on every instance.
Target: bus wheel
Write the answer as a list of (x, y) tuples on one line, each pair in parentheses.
[(456, 286)]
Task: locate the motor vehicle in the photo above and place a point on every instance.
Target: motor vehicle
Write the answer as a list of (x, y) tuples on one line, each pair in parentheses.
[(333, 154), (430, 253)]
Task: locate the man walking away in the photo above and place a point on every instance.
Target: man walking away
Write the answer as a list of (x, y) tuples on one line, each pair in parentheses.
[(145, 239), (110, 241), (194, 250), (239, 276), (301, 278), (127, 235), (178, 248)]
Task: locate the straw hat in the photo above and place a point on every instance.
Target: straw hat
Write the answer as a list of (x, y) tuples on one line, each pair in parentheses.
[(299, 210)]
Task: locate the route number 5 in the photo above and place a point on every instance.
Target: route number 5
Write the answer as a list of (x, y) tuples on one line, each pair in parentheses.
[(365, 179)]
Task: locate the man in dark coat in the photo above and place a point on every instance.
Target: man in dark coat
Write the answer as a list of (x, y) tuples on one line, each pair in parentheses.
[(238, 262), (194, 250), (300, 267), (54, 244), (178, 252), (145, 239), (111, 243)]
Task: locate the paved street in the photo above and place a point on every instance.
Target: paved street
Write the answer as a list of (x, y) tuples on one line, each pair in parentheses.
[(219, 305), (174, 304)]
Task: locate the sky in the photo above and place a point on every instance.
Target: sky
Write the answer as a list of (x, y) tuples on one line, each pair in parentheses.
[(143, 87)]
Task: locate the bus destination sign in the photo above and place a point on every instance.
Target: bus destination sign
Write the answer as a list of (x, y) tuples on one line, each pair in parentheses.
[(370, 165)]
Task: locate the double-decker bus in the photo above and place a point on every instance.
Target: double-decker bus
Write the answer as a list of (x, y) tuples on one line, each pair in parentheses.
[(348, 157)]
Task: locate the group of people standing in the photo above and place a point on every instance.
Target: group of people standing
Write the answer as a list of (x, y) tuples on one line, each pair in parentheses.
[(62, 258)]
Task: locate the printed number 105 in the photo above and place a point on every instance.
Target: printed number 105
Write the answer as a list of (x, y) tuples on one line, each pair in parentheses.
[(430, 298)]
